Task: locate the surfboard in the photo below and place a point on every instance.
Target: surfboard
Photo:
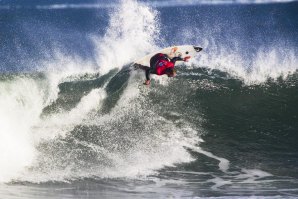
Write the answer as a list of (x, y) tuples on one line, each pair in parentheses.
[(173, 51)]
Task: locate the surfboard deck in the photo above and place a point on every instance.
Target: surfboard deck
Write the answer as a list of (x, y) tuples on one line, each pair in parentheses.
[(173, 51)]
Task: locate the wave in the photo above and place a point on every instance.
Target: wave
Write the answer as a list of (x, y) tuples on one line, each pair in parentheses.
[(79, 118), (73, 126), (108, 126)]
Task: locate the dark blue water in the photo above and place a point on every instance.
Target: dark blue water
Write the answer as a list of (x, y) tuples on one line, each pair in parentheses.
[(76, 122)]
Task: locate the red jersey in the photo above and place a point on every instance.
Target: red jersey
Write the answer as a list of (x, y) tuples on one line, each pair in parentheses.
[(162, 64)]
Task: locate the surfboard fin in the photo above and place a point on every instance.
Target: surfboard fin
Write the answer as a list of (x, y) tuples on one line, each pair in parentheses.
[(197, 48)]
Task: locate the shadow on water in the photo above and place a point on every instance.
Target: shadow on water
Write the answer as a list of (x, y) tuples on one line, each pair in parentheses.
[(70, 93), (115, 88)]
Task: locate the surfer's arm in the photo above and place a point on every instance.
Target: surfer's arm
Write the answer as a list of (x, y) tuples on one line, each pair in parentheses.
[(173, 60), (147, 73)]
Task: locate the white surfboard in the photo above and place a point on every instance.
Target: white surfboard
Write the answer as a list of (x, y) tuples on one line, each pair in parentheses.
[(173, 51)]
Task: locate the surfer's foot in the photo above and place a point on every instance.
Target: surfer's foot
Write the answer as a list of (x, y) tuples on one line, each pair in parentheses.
[(147, 82)]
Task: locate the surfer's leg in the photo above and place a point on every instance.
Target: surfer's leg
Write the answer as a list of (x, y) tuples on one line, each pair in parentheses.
[(144, 67), (147, 72), (140, 66)]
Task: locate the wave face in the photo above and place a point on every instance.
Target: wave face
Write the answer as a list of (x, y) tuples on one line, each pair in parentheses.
[(73, 115)]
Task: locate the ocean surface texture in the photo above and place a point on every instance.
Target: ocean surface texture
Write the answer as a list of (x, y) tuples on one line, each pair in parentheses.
[(76, 120)]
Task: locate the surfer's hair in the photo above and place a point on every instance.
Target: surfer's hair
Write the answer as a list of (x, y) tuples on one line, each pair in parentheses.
[(171, 72)]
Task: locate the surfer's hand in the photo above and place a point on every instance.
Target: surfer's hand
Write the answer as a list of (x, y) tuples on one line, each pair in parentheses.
[(136, 66), (147, 82), (186, 58)]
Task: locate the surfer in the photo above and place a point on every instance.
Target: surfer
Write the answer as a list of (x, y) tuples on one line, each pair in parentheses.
[(161, 64)]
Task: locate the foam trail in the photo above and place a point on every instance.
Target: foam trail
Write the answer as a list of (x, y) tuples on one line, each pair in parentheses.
[(223, 163), (252, 175), (132, 32), (219, 182)]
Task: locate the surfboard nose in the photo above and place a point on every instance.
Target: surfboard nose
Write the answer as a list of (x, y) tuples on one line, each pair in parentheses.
[(197, 48)]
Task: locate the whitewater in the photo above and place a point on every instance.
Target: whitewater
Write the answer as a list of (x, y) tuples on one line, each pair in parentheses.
[(77, 121)]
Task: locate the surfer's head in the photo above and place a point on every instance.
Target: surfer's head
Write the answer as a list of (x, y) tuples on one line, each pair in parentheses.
[(171, 72)]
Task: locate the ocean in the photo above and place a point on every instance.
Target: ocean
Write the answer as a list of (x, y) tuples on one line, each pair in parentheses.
[(76, 120)]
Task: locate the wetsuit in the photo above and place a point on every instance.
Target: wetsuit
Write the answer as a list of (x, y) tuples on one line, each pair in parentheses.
[(160, 64)]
